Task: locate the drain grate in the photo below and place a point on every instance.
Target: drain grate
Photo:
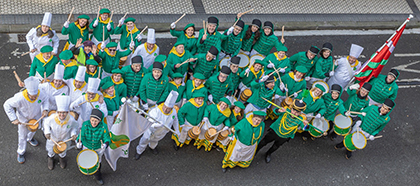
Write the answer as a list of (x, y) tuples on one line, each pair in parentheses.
[(21, 37)]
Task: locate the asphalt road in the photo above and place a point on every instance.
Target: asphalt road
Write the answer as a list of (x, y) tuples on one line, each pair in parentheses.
[(391, 160)]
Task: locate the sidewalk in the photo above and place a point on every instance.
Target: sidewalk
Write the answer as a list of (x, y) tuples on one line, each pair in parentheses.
[(20, 16)]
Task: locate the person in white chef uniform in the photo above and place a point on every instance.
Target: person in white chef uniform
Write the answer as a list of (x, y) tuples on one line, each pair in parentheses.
[(42, 35), (149, 50), (56, 87)]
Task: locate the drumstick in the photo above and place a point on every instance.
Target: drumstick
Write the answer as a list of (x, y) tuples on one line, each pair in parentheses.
[(138, 35), (376, 137), (125, 15), (67, 140), (282, 32), (179, 19), (247, 11), (38, 120), (20, 83), (110, 18), (99, 9), (103, 35), (71, 12), (80, 138), (353, 112), (287, 92), (350, 106), (83, 102), (91, 104), (275, 69), (234, 24), (99, 72), (189, 60), (55, 142), (296, 93), (333, 65), (204, 27), (25, 53)]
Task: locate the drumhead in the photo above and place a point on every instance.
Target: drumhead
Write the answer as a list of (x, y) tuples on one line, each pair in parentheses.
[(224, 62), (244, 60), (359, 140), (87, 158), (254, 57), (322, 83), (320, 124), (342, 121)]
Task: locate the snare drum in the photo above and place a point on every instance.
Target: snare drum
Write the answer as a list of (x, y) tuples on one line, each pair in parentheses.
[(224, 62), (254, 57), (194, 132), (75, 115), (210, 134), (246, 94), (32, 128), (342, 125), (354, 141), (322, 83), (286, 102), (59, 149), (321, 124), (244, 60), (51, 112), (88, 162), (223, 135)]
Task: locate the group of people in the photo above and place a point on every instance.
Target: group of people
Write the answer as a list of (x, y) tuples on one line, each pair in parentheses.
[(77, 96)]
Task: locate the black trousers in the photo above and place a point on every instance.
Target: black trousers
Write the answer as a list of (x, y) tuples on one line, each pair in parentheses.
[(272, 136), (98, 174)]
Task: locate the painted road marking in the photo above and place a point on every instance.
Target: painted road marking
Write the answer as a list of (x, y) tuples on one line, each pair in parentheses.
[(407, 55), (404, 67)]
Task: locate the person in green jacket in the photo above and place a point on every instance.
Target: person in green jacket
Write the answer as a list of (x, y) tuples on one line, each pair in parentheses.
[(247, 134), (237, 113), (84, 52), (383, 87), (177, 85), (266, 41), (232, 40), (217, 117), (358, 98), (167, 71), (69, 63), (234, 76), (154, 87), (206, 63), (285, 127), (43, 65), (294, 81), (315, 105), (252, 73), (130, 38), (209, 36), (95, 136), (186, 36), (111, 58), (101, 25), (323, 65), (118, 81), (92, 70), (189, 115), (333, 102), (195, 85), (277, 60), (219, 85), (251, 34), (112, 101), (177, 56), (132, 75), (371, 122), (76, 30), (306, 59)]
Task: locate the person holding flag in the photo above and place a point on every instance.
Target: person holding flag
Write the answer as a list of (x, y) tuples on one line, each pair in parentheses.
[(383, 87)]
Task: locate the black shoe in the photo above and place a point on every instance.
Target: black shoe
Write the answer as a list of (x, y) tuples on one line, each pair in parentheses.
[(137, 156), (155, 151), (51, 163), (333, 136), (100, 182), (267, 158), (176, 148), (62, 162), (304, 138), (224, 170), (348, 154)]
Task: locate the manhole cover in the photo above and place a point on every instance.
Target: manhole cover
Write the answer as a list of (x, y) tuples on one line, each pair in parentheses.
[(21, 38)]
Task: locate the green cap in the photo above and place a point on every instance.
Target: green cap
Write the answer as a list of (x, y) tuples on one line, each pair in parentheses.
[(225, 100), (189, 25), (91, 62), (111, 44), (259, 113), (199, 76), (239, 104), (259, 61), (282, 48), (107, 85), (301, 69), (104, 10), (117, 71), (66, 55), (320, 87), (129, 19), (160, 58), (46, 48), (84, 16), (198, 95), (179, 43), (177, 75)]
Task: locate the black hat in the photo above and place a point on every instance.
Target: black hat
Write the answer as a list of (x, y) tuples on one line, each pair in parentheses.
[(268, 24), (225, 70), (235, 60), (299, 105), (213, 20), (240, 23), (137, 59), (327, 46), (270, 79), (314, 50), (394, 73), (256, 22), (367, 86), (96, 113), (336, 87), (157, 66), (213, 50), (389, 103)]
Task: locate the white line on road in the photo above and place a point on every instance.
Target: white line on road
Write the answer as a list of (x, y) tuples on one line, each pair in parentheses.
[(407, 55), (404, 67)]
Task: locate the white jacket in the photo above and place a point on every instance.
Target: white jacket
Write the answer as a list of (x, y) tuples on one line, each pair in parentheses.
[(148, 59), (38, 42), (25, 110), (156, 134), (85, 110), (60, 132), (73, 92), (343, 73), (51, 92)]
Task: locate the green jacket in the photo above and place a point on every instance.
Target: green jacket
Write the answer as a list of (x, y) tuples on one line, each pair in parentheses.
[(132, 79), (74, 31), (174, 59), (300, 59), (313, 105), (155, 90), (92, 136), (260, 90), (190, 89), (291, 84), (214, 39), (286, 126), (266, 43), (177, 88), (235, 78), (247, 43), (322, 66), (248, 134), (94, 75), (203, 66), (217, 88), (357, 104), (373, 122), (39, 65), (232, 44), (332, 105), (112, 103), (215, 116), (194, 115), (125, 38), (278, 63), (109, 62), (246, 80), (99, 29), (70, 70), (190, 43), (382, 90), (120, 87)]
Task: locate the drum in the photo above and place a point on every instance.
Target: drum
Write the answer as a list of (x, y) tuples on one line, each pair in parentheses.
[(321, 124), (246, 94), (88, 162), (254, 57), (210, 134), (224, 62), (122, 61), (176, 108), (51, 112), (322, 83), (32, 128), (244, 60), (223, 135), (286, 102), (75, 115), (60, 149), (194, 132), (342, 125), (354, 141)]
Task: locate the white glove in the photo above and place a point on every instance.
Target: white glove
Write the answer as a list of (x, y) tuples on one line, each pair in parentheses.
[(95, 23), (173, 25), (331, 73), (104, 146), (318, 116), (114, 113), (295, 95), (282, 87), (225, 128), (103, 45), (121, 22), (247, 70), (211, 98), (66, 24), (230, 30), (79, 145), (108, 26), (264, 78), (135, 99), (206, 120), (371, 137), (347, 113), (276, 96), (132, 44), (271, 65), (156, 125), (355, 86), (307, 78), (363, 113), (139, 37), (145, 106), (282, 70)]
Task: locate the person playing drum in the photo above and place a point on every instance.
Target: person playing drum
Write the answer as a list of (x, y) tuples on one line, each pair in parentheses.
[(195, 85), (234, 76), (323, 64), (232, 40), (277, 60), (149, 50), (43, 64), (206, 62), (95, 136), (56, 87), (92, 70), (209, 36), (77, 86), (358, 98), (130, 37), (165, 115), (315, 105), (263, 89), (372, 122), (333, 102), (285, 127), (154, 87), (59, 127), (111, 58), (102, 28), (266, 41), (21, 108), (219, 85), (384, 86), (132, 75), (252, 73), (237, 115), (76, 30), (186, 36), (251, 35), (176, 58), (306, 59), (69, 63), (167, 70)]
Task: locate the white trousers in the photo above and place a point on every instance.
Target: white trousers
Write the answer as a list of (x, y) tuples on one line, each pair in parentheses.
[(24, 136)]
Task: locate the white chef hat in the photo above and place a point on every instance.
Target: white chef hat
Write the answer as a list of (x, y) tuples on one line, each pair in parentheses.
[(93, 85), (47, 19), (59, 72), (171, 99), (151, 36), (63, 103), (31, 84), (355, 50), (80, 75)]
